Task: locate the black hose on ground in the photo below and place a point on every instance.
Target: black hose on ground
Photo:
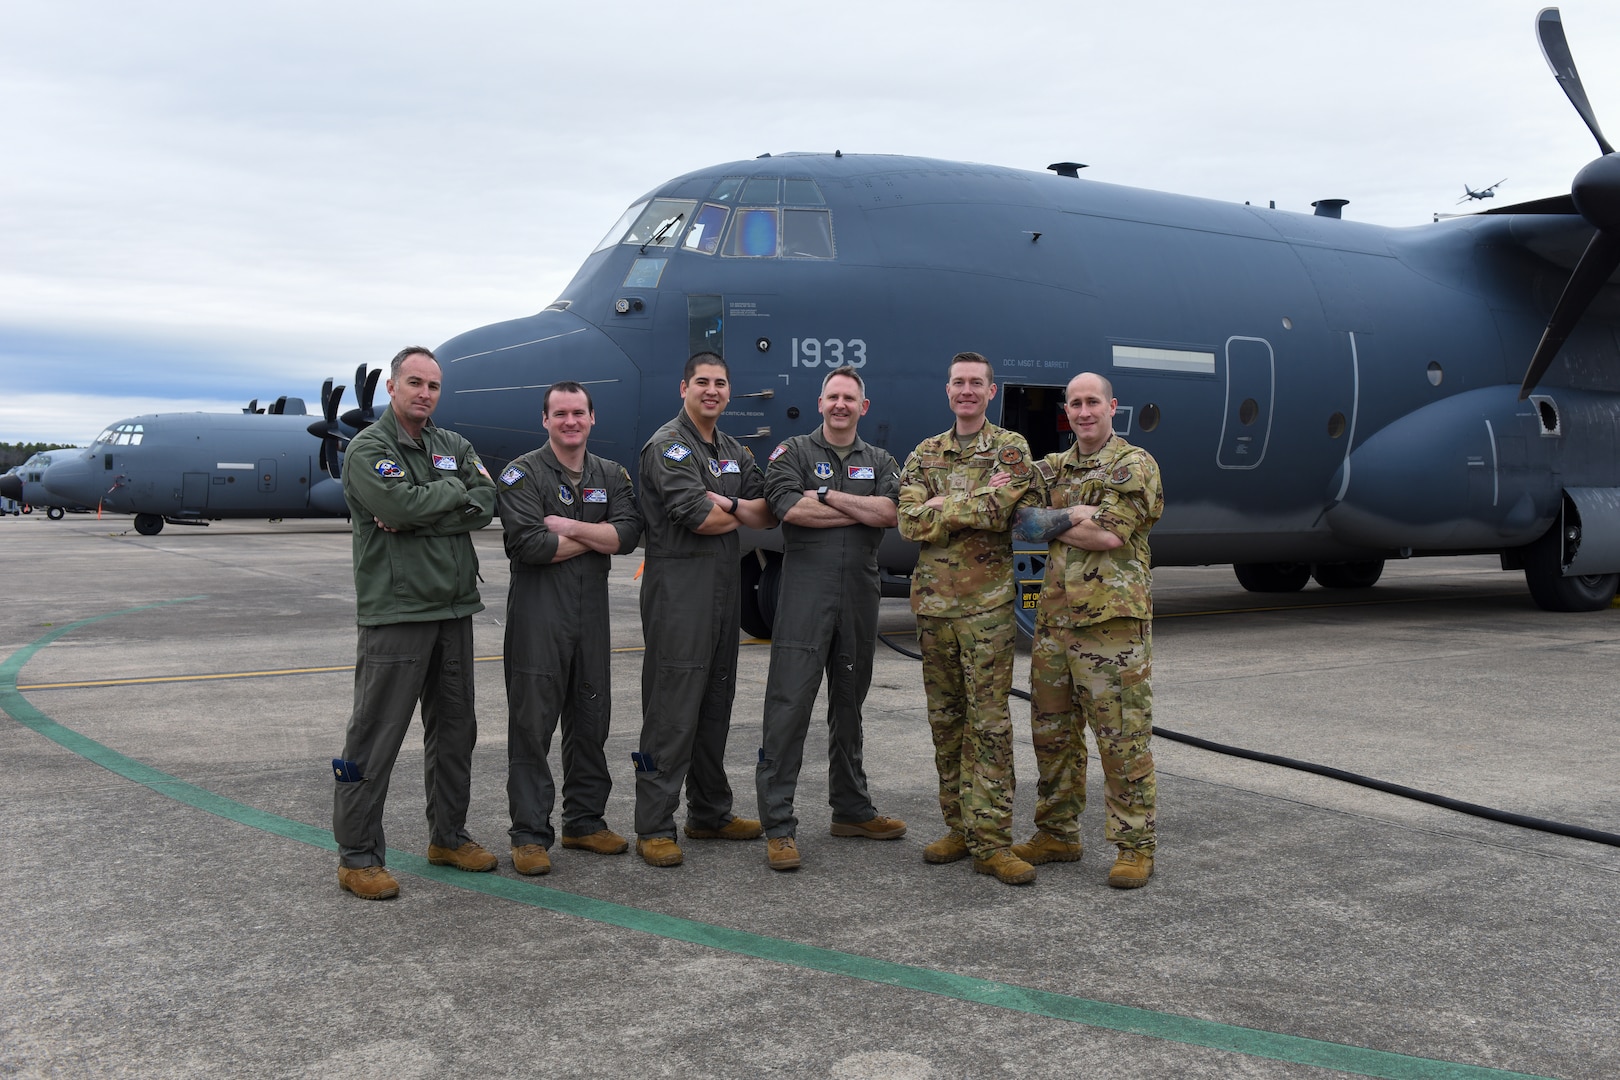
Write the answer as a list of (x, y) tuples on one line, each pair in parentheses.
[(1524, 821)]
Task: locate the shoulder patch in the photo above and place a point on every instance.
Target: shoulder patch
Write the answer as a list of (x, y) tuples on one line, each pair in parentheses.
[(1010, 455), (389, 469), (512, 475), (677, 452), (1047, 472), (781, 448), (479, 465), (1120, 475)]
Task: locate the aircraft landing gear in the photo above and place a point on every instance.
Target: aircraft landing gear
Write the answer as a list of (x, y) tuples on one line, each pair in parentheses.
[(761, 588), (148, 524), (55, 513), (1348, 575), (1544, 574), (1274, 577)]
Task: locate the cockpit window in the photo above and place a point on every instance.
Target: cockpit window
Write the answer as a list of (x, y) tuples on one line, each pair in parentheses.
[(760, 191), (120, 435), (726, 190), (802, 193), (807, 234), (617, 231), (704, 233), (660, 225), (753, 234)]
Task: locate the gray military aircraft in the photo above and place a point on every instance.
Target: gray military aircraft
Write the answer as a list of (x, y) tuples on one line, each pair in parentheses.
[(1469, 194), (192, 468), (22, 490), (1322, 395)]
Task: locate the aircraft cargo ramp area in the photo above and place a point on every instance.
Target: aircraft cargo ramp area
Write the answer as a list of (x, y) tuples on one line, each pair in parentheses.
[(171, 905)]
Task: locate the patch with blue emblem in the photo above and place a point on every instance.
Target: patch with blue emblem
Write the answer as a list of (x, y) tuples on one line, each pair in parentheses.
[(597, 495), (823, 470), (677, 452), (389, 470), (512, 475), (714, 466), (444, 462), (862, 472), (565, 494)]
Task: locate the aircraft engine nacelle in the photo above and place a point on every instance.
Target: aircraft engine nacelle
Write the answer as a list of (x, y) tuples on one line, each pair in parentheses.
[(1477, 471)]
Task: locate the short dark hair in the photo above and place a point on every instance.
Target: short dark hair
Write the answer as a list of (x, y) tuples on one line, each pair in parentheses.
[(406, 353), (566, 386), (699, 359), (848, 370), (972, 358)]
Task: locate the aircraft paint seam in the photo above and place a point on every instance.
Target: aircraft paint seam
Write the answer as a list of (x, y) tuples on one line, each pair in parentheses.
[(535, 386), (519, 345), (1355, 411), (1253, 1042), (1496, 468)]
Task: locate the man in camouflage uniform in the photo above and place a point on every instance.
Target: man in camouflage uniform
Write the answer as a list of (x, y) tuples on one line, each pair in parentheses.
[(1093, 652), (565, 513), (958, 492), (698, 487), (835, 495)]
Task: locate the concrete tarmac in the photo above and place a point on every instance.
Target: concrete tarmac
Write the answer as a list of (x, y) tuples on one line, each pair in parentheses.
[(169, 903)]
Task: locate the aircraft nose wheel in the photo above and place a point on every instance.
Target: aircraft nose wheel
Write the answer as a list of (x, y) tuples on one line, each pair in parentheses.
[(148, 524), (55, 513)]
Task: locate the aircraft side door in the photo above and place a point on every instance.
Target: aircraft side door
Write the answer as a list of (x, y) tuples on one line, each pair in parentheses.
[(194, 491), (1251, 385)]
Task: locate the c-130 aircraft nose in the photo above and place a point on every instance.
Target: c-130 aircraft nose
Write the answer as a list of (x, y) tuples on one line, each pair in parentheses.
[(71, 479), (11, 487), (496, 377)]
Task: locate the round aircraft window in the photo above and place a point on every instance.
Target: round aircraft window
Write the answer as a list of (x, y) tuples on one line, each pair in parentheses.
[(1249, 411), (793, 412), (1336, 425), (1436, 373), (1149, 418)]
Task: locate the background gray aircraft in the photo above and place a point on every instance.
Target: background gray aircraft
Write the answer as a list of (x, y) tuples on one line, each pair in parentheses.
[(1322, 395), (190, 468), (23, 491)]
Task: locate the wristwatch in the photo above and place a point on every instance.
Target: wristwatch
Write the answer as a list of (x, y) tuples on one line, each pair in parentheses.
[(821, 493), (734, 505)]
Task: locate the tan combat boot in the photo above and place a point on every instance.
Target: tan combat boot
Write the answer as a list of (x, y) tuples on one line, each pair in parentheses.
[(602, 842), (1131, 870), (736, 829), (1043, 847), (470, 857), (781, 853), (948, 848), (531, 859), (368, 882), (878, 828), (659, 851), (1008, 868)]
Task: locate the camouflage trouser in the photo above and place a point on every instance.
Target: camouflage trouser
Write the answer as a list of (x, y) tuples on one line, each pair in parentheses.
[(967, 673), (1099, 676)]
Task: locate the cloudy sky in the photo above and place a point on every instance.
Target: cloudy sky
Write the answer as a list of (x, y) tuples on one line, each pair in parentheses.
[(204, 203)]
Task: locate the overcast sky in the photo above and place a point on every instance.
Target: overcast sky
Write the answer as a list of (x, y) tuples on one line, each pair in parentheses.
[(204, 203)]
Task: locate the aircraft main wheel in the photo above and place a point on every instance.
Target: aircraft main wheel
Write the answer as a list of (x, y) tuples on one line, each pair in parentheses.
[(148, 524), (56, 513), (761, 589), (1272, 576), (1348, 575), (1551, 590)]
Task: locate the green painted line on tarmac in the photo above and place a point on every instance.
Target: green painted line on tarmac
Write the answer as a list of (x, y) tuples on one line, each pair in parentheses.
[(1252, 1042)]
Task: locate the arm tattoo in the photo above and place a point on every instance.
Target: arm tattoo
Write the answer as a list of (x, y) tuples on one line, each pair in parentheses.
[(1041, 526)]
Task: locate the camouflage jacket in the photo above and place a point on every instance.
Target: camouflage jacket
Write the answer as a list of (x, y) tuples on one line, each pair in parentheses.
[(965, 566), (1084, 587)]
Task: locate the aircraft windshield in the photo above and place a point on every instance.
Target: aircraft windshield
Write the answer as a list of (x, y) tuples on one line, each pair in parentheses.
[(120, 435), (660, 224), (774, 218)]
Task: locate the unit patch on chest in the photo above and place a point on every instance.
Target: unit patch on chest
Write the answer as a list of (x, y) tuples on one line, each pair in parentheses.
[(444, 462), (823, 470), (596, 495), (862, 472)]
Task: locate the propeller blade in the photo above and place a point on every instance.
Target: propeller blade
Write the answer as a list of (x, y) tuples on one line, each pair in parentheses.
[(1550, 31), (1599, 260), (252, 406), (363, 415)]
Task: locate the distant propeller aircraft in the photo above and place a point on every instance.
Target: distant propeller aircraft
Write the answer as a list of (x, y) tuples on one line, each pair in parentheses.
[(1322, 395), (1482, 193), (192, 468)]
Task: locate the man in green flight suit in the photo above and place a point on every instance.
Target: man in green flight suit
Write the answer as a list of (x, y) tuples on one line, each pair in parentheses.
[(1092, 658), (835, 494), (565, 513), (958, 492), (699, 486), (415, 492)]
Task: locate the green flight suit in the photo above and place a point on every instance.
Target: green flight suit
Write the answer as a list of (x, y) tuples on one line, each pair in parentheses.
[(558, 652), (690, 623), (826, 620)]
